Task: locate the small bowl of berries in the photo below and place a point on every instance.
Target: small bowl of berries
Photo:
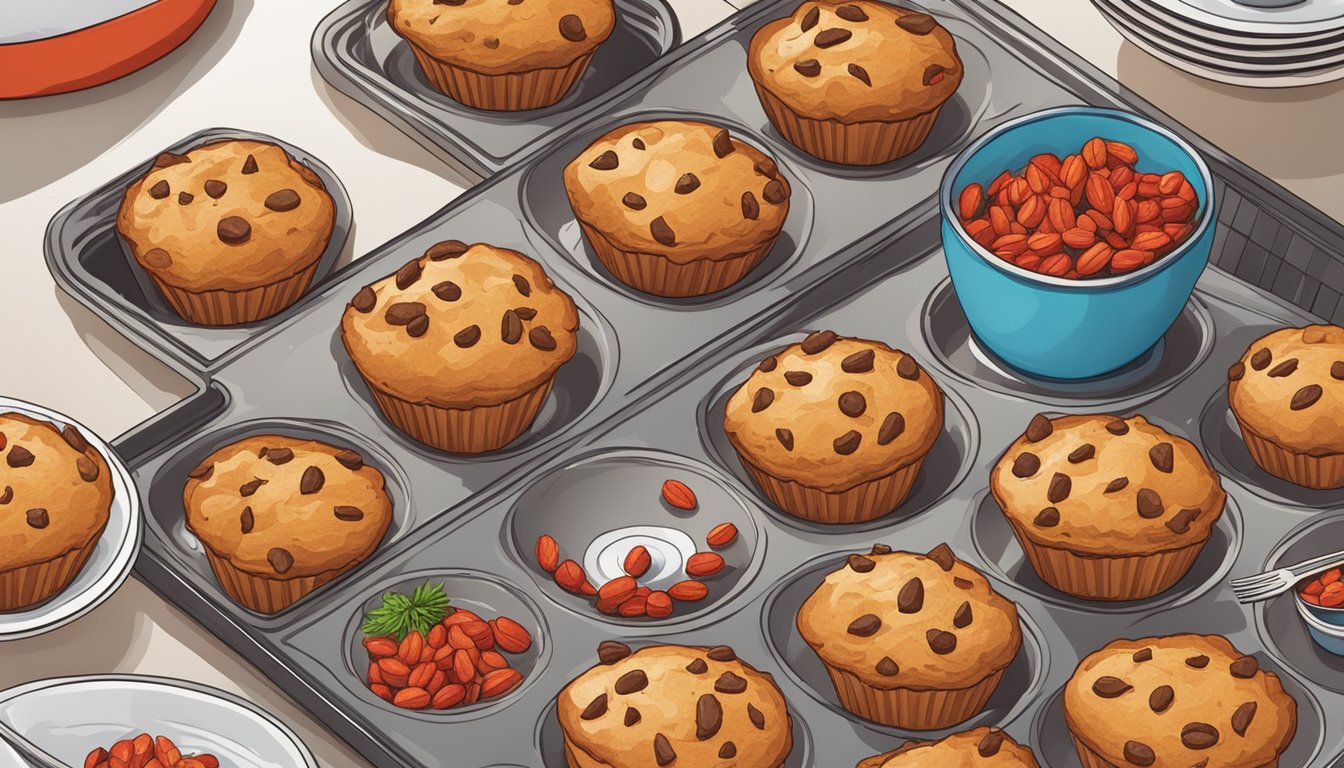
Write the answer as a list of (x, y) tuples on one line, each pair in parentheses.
[(1320, 603)]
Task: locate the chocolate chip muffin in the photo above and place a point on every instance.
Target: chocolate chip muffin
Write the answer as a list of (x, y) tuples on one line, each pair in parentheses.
[(489, 54), (231, 232), (677, 208), (912, 641), (978, 748), (1107, 508), (279, 516), (1183, 700), (856, 83), (670, 705), (833, 429), (55, 498), (461, 345), (1287, 393)]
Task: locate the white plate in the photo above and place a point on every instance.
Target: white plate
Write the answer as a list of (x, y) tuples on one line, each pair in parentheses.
[(72, 716), (1254, 37), (1308, 17), (113, 555), (1226, 45)]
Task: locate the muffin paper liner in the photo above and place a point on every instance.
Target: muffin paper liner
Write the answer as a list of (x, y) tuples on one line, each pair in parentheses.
[(864, 502), (927, 710), (237, 307), (1319, 472), (30, 585), (1091, 577), (472, 430), (661, 276), (864, 143), (513, 92), (264, 595)]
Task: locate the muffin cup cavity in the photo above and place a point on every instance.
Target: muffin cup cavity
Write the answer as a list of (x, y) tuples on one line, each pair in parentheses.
[(512, 92), (1308, 646), (221, 307)]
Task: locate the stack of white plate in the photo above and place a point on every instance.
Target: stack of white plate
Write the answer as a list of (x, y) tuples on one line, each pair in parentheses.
[(1257, 43)]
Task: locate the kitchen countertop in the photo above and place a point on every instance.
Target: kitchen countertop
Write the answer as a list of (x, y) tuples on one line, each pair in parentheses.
[(58, 354)]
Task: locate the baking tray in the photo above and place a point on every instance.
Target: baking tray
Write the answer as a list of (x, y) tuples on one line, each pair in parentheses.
[(859, 254), (357, 51)]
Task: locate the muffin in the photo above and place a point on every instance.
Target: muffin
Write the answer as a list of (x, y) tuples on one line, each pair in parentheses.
[(55, 499), (677, 208), (231, 232), (670, 705), (279, 517), (1183, 700), (1107, 508), (1287, 393), (461, 345), (834, 430), (509, 56), (912, 641), (855, 83), (979, 748)]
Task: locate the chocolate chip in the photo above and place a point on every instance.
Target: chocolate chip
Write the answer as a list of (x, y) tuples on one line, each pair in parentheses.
[(852, 404), (807, 67), (280, 559), (595, 709), (860, 74), (571, 28), (723, 144), (865, 626), (408, 274), (467, 337), (728, 750), (403, 312), (607, 161), (418, 327), (1118, 484), (234, 230), (185, 198), (246, 521), (1108, 687), (1048, 517), (1161, 698), (892, 427), (541, 338), (730, 683), (663, 752), (447, 291), (1285, 368), (216, 189), (989, 745), (511, 327), (798, 378), (632, 716), (1162, 456), (766, 167), (365, 300), (158, 258), (907, 368), (167, 159), (1117, 427), (1261, 359), (634, 202), (764, 397), (202, 472), (1143, 654), (250, 487), (88, 470), (1084, 452), (1306, 397), (348, 514), (662, 232), (818, 342), (249, 166), (751, 210), (1060, 487), (312, 481), (527, 313), (911, 597), (888, 668), (160, 190), (942, 555), (963, 617), (851, 13), (1237, 371), (708, 717), (610, 651), (38, 518), (1337, 369), (1241, 719), (19, 457), (847, 443), (774, 192), (697, 667), (632, 682), (1245, 668), (934, 73), (1199, 661), (522, 285), (638, 143), (962, 583), (881, 549), (1026, 464), (1180, 522), (448, 249), (492, 42), (941, 642), (1199, 735), (859, 362), (828, 38), (860, 564), (722, 653), (687, 184), (1138, 753), (810, 19), (1149, 504), (917, 23), (74, 439), (1039, 428)]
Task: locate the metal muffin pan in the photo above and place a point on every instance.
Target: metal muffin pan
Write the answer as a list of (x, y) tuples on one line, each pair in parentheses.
[(91, 262), (357, 51)]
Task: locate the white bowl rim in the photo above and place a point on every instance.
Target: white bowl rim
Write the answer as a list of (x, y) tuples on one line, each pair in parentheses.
[(1326, 627)]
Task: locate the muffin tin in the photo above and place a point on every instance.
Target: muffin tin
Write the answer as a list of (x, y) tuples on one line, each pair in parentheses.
[(642, 402)]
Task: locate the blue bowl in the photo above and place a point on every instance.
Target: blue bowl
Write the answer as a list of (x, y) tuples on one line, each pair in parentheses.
[(1327, 630), (1052, 326)]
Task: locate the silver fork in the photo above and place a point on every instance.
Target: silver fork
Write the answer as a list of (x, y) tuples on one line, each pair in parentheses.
[(1262, 586), (35, 756)]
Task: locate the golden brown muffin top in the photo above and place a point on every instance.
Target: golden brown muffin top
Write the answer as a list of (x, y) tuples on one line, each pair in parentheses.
[(1105, 485), (55, 491), (286, 508), (978, 748), (833, 412), (856, 61), (1289, 388), (1172, 702), (462, 326), (680, 189), (903, 620), (230, 215), (671, 705), (497, 37)]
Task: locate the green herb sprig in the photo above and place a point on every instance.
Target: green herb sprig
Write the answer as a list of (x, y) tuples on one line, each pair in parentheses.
[(399, 613)]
